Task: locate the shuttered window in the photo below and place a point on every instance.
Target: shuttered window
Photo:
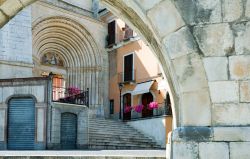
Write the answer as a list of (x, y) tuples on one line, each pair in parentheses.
[(111, 33), (128, 68), (58, 88)]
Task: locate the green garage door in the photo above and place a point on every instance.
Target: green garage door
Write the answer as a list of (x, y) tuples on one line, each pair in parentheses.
[(68, 131), (21, 124)]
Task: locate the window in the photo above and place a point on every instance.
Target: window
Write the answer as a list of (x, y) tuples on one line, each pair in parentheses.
[(128, 68), (58, 87), (111, 33), (111, 106)]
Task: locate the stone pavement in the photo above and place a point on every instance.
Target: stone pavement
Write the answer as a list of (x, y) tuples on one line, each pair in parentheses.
[(98, 153)]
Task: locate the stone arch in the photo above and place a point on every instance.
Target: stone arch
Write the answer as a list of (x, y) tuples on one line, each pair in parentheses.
[(144, 18), (82, 58), (21, 96)]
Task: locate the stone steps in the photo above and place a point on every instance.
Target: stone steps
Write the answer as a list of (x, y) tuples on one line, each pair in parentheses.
[(93, 138), (132, 144), (124, 144), (121, 142), (119, 137), (120, 132), (120, 147), (110, 134)]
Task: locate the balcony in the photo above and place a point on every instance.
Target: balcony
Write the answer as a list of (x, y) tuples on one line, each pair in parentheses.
[(127, 77), (70, 96), (164, 109)]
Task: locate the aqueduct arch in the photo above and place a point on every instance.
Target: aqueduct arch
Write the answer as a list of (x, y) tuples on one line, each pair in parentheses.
[(203, 48)]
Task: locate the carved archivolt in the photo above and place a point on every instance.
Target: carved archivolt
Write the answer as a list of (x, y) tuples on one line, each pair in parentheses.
[(60, 41), (68, 39)]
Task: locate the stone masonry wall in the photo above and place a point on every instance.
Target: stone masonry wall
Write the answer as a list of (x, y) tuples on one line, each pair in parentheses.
[(16, 47), (219, 32), (203, 47)]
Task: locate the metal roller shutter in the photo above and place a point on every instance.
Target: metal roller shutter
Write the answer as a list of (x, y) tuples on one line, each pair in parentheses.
[(68, 131), (21, 124)]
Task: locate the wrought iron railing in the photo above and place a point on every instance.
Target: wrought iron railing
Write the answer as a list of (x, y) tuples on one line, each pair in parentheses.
[(63, 95), (129, 76), (162, 110)]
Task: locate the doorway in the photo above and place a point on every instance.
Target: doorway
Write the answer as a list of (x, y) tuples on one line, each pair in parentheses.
[(146, 99), (21, 124), (68, 131)]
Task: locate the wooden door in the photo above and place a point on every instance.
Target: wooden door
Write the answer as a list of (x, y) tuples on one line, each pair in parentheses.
[(146, 99), (126, 102)]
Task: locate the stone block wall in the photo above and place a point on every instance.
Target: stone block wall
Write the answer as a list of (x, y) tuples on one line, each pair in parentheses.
[(219, 33), (203, 46), (16, 46)]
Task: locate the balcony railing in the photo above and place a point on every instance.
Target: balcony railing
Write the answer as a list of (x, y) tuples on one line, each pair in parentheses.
[(63, 95), (164, 109), (125, 77)]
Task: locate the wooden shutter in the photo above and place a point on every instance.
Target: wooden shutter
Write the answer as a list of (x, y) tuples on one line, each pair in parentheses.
[(58, 88), (111, 33), (128, 68)]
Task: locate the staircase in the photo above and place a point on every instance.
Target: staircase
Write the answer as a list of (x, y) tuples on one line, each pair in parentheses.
[(110, 134)]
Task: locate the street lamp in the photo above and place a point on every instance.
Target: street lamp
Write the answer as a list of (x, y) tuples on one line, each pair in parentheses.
[(120, 88)]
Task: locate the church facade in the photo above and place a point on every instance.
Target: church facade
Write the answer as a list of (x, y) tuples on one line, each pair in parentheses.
[(49, 52)]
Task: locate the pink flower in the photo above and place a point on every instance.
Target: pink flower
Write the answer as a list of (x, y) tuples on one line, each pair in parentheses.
[(127, 109), (138, 108), (73, 90), (153, 105)]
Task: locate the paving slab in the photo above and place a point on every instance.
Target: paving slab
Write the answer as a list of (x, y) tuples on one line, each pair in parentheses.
[(92, 153)]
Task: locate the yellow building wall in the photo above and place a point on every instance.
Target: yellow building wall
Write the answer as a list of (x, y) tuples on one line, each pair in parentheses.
[(146, 66)]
